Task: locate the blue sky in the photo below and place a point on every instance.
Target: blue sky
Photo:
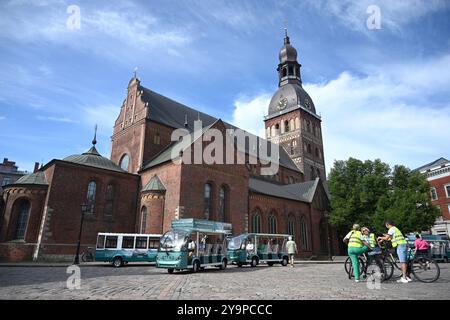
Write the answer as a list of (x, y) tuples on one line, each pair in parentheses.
[(381, 93)]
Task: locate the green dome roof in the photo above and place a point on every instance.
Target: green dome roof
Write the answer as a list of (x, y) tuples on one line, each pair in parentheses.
[(33, 178), (93, 159), (154, 184)]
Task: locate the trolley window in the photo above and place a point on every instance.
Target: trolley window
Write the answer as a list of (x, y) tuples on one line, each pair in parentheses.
[(141, 242), (101, 242), (127, 242), (111, 242)]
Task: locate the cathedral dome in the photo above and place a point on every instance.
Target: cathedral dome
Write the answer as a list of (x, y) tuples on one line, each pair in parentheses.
[(93, 159), (288, 53), (288, 97)]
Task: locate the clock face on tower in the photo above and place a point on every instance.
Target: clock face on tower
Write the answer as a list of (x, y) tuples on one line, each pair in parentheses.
[(307, 103), (282, 104)]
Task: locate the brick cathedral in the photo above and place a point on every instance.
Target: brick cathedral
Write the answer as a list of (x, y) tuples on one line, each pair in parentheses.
[(142, 187)]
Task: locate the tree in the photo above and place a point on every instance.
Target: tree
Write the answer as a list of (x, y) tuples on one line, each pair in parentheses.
[(369, 192)]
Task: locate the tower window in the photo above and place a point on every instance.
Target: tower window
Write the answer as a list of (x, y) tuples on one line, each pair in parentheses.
[(286, 126), (284, 72), (291, 71), (124, 162)]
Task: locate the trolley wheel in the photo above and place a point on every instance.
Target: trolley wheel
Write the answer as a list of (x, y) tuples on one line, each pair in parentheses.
[(117, 262)]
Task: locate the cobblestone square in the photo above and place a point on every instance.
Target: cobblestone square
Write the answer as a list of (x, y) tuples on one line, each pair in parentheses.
[(304, 281)]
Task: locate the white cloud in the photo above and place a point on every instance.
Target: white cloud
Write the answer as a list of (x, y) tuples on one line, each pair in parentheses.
[(248, 113), (104, 116), (101, 30), (385, 114), (56, 119), (394, 14), (2, 117)]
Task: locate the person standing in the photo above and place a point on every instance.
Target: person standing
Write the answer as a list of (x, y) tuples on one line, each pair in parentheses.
[(399, 242), (421, 246), (356, 247), (291, 247)]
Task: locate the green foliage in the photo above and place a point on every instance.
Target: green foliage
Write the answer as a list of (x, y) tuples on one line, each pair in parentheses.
[(369, 192)]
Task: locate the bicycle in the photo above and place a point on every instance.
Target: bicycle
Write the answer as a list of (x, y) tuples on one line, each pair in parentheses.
[(370, 266), (424, 268), (88, 255)]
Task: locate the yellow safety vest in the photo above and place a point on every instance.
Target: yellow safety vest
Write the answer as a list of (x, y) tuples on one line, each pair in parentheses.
[(355, 240), (398, 238), (372, 241)]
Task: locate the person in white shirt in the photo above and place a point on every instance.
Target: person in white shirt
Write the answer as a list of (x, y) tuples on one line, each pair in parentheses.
[(249, 247)]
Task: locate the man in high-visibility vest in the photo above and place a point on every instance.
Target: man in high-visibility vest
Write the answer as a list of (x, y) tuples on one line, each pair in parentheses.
[(356, 247), (399, 242)]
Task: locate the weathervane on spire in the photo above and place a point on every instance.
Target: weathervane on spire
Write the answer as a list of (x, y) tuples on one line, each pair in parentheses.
[(134, 72), (94, 141)]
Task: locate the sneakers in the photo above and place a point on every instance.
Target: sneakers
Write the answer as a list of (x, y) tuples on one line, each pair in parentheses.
[(409, 279), (402, 280), (356, 281)]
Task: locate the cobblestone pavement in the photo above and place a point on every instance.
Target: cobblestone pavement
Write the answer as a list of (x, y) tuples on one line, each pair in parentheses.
[(306, 281)]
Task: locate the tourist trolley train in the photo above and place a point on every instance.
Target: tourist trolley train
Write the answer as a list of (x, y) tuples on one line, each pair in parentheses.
[(193, 244), (255, 248), (121, 248)]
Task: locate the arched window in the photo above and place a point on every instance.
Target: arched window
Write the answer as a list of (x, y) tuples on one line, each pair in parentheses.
[(92, 186), (272, 224), (207, 197), (308, 126), (292, 124), (292, 145), (291, 71), (109, 205), (256, 221), (286, 126), (284, 72), (309, 148), (124, 162), (313, 173), (304, 243), (222, 203), (22, 219), (143, 219), (291, 225)]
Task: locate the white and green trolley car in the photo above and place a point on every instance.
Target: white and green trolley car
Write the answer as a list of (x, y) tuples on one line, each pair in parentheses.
[(193, 244), (255, 248)]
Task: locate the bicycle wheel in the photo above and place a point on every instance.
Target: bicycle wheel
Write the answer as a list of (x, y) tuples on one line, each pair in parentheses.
[(375, 270), (87, 257), (388, 268), (349, 268), (425, 270)]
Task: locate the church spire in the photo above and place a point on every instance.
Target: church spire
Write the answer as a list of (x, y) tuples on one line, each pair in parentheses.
[(288, 68), (94, 141), (286, 37), (93, 150)]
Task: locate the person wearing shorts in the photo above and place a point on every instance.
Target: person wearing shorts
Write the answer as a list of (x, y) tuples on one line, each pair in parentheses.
[(399, 242)]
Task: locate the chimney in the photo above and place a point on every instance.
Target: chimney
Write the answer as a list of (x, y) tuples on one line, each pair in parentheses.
[(36, 167)]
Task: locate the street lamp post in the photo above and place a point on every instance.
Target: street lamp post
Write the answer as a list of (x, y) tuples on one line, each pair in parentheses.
[(327, 217), (84, 208)]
